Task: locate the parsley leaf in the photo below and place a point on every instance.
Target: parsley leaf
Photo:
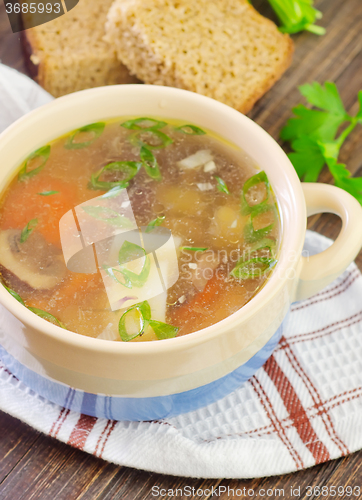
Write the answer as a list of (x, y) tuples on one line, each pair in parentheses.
[(359, 114), (313, 136), (313, 123), (308, 159), (297, 15), (326, 97)]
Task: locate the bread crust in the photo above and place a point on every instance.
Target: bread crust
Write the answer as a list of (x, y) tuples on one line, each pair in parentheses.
[(139, 30), (258, 94), (68, 53), (33, 62)]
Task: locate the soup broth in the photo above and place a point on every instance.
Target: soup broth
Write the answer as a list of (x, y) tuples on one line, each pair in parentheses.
[(136, 229)]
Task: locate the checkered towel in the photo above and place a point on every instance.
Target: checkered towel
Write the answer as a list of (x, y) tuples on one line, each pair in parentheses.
[(303, 407)]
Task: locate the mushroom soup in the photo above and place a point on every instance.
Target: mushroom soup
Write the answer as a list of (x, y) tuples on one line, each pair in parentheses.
[(137, 229)]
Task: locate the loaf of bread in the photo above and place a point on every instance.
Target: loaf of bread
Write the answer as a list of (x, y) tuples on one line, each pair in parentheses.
[(69, 53), (220, 48)]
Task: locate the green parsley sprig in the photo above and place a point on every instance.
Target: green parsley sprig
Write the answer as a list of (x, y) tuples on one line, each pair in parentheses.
[(297, 15), (315, 138)]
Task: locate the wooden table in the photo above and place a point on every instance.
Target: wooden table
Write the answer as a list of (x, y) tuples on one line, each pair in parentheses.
[(34, 466)]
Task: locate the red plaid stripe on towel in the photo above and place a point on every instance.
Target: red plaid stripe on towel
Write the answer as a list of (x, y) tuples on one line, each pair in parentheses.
[(303, 407)]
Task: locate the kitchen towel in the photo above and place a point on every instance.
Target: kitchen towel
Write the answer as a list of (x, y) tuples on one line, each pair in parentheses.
[(303, 407)]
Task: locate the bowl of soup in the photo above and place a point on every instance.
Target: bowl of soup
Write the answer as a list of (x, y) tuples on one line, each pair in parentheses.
[(150, 247)]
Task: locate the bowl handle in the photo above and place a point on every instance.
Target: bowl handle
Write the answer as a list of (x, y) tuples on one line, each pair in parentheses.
[(321, 269)]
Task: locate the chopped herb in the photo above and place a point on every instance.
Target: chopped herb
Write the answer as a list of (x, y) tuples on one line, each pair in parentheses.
[(258, 178), (43, 153), (119, 276), (108, 216), (221, 185), (143, 124), (297, 15), (49, 317), (164, 330), (154, 223), (112, 193), (252, 268), (130, 252), (190, 130), (150, 163), (14, 294), (313, 136), (138, 280), (265, 243), (128, 168), (151, 138), (144, 312), (95, 128), (252, 235), (28, 229), (48, 193), (194, 249)]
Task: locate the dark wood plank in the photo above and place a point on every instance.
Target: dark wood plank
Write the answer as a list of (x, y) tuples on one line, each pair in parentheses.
[(15, 440), (34, 466), (10, 43)]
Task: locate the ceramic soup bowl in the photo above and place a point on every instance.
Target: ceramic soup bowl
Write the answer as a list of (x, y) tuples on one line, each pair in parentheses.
[(151, 380)]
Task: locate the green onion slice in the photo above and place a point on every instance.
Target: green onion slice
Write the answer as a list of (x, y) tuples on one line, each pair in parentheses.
[(264, 243), (258, 178), (48, 193), (128, 169), (143, 124), (251, 235), (253, 268), (49, 317), (112, 193), (28, 229), (95, 128), (150, 138), (221, 185), (144, 311), (164, 330), (119, 276), (42, 153), (108, 216), (194, 249), (154, 223), (150, 163), (14, 294), (138, 280), (130, 252), (190, 130)]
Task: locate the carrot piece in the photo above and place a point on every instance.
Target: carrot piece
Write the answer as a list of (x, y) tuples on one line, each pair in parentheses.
[(65, 293), (78, 283), (214, 303), (23, 203), (190, 311)]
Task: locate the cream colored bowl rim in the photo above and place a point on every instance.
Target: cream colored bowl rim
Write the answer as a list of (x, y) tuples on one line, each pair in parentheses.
[(293, 234)]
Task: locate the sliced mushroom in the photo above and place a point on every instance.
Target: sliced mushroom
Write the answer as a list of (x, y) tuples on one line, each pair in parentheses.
[(35, 262)]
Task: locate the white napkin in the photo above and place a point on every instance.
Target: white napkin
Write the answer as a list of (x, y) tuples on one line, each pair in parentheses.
[(18, 95)]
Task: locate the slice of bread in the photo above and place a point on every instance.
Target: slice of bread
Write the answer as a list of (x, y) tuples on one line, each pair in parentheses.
[(220, 48), (69, 53)]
